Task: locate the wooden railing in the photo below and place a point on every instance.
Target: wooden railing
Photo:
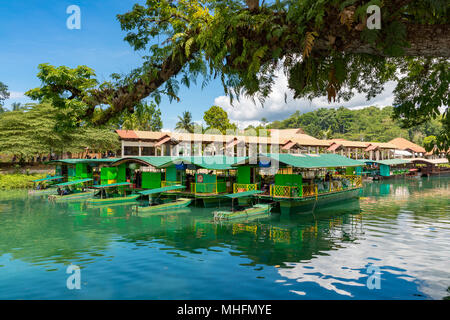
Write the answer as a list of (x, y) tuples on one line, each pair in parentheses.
[(170, 184), (213, 187), (355, 181), (284, 191), (241, 187), (345, 182)]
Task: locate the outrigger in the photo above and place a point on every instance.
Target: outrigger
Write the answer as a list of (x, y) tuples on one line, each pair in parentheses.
[(78, 192), (243, 211), (158, 204), (45, 185), (102, 197)]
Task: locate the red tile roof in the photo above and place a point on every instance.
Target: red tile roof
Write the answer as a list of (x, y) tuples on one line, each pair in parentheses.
[(404, 144), (127, 134)]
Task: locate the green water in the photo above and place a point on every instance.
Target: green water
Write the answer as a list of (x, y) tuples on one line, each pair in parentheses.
[(400, 227)]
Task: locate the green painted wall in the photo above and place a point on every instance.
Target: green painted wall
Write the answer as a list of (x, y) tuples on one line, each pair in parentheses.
[(171, 173), (208, 184), (71, 171), (109, 173), (384, 170), (288, 179), (243, 174), (151, 180), (82, 171), (122, 173)]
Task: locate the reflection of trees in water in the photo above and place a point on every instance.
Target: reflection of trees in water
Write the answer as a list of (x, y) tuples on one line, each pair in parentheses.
[(425, 198), (35, 231), (404, 187), (39, 233), (270, 241)]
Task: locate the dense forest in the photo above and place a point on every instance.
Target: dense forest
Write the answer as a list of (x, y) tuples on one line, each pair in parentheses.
[(368, 124)]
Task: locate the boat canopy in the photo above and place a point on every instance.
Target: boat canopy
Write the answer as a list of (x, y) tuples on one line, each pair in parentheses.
[(163, 189), (49, 179), (151, 161), (388, 162), (306, 161), (111, 185), (243, 194), (70, 183), (217, 162)]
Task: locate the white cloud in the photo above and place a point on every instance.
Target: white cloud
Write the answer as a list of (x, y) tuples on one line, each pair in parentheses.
[(16, 95), (245, 111)]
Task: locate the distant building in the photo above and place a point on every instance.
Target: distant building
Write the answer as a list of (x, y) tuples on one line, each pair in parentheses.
[(295, 141), (407, 149)]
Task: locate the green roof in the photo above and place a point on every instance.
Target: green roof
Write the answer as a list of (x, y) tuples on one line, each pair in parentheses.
[(111, 185), (306, 161), (207, 162), (242, 194), (49, 178), (388, 162), (72, 182), (155, 161), (159, 190)]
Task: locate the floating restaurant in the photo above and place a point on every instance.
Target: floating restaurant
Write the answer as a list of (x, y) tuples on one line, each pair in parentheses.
[(304, 181), (289, 182)]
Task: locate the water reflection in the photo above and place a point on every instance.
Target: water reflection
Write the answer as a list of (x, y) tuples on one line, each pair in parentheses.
[(402, 226)]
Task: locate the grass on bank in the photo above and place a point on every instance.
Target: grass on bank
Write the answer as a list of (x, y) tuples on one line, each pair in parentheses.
[(19, 180)]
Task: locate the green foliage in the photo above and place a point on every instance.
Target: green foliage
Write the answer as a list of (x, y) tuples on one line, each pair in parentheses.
[(412, 107), (65, 89), (430, 142), (323, 46), (27, 133), (217, 118), (145, 116), (18, 181), (368, 124), (4, 94), (185, 122)]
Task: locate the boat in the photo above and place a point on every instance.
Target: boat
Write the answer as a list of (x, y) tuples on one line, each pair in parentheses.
[(102, 197), (243, 211), (300, 183), (44, 186), (158, 204), (76, 193)]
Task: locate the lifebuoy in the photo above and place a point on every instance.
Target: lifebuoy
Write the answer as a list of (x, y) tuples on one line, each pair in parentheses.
[(200, 179)]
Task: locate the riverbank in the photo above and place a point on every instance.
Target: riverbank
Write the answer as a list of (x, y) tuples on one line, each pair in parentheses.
[(18, 180)]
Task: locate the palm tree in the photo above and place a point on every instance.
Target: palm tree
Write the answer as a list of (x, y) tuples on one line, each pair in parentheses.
[(16, 106), (185, 122)]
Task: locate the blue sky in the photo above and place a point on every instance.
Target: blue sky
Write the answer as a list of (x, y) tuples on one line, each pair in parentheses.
[(34, 32)]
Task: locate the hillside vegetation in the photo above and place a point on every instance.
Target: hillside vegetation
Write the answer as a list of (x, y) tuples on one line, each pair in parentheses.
[(368, 124)]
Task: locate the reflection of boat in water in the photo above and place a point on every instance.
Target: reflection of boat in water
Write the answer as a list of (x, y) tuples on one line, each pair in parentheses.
[(255, 210), (245, 211), (179, 203), (327, 211), (172, 211), (76, 196)]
